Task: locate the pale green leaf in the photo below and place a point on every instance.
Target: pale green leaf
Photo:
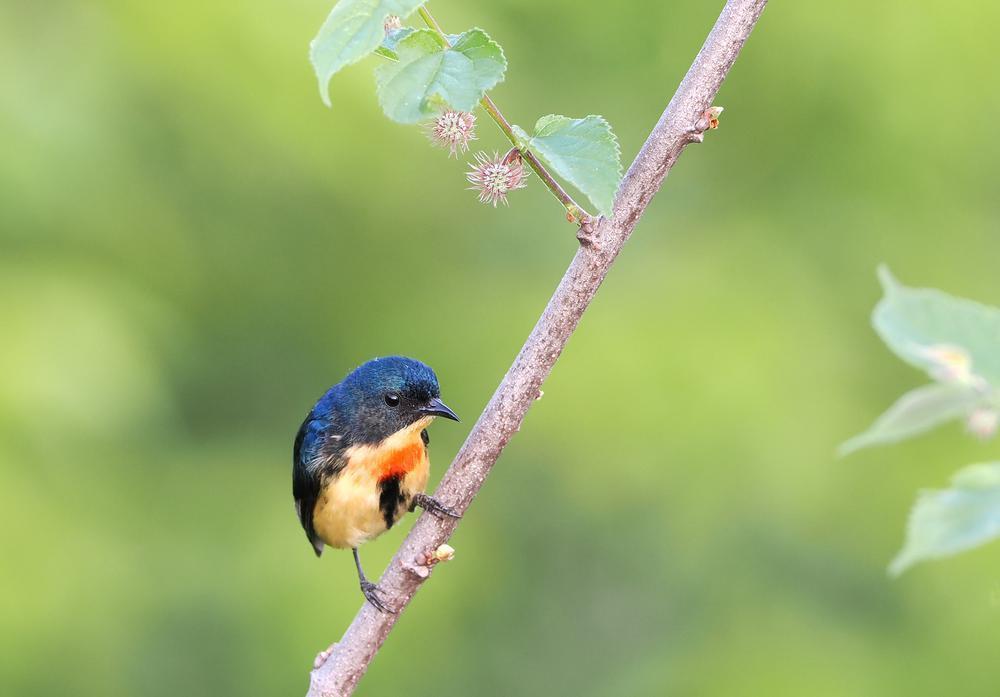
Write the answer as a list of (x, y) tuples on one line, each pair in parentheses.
[(913, 321), (915, 412), (584, 152), (949, 521), (430, 74), (354, 29)]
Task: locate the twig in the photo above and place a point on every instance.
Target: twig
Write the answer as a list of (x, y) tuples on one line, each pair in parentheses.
[(574, 211), (682, 123)]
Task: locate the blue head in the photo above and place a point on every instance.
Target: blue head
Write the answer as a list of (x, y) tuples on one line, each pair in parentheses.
[(383, 396)]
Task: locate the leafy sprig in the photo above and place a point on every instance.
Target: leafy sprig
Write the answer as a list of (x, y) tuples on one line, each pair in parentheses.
[(957, 343), (431, 73)]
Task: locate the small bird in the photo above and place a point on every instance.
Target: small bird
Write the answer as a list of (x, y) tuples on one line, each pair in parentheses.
[(360, 458)]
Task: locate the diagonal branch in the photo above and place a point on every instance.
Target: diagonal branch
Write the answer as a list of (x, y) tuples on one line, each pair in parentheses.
[(682, 122)]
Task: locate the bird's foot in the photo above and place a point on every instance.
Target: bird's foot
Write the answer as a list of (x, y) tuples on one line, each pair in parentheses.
[(371, 593), (322, 656), (434, 507)]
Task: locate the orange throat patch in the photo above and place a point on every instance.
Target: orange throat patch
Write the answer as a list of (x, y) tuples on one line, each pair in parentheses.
[(396, 456), (396, 463)]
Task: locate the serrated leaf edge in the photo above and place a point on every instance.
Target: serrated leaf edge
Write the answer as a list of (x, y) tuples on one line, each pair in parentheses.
[(614, 140), (324, 80)]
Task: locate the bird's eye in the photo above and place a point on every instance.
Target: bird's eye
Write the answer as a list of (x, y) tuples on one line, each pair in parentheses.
[(392, 399)]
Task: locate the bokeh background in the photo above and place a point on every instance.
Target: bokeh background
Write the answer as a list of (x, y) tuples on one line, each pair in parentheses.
[(193, 248)]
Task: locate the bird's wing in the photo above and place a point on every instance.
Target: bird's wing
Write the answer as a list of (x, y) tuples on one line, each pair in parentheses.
[(317, 454)]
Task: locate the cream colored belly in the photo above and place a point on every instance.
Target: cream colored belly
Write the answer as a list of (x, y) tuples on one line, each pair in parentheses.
[(347, 513)]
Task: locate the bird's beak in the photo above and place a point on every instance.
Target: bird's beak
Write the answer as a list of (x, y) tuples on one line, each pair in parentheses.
[(436, 407)]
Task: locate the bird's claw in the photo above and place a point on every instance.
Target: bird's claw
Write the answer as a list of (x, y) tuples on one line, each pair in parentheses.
[(435, 507), (371, 593)]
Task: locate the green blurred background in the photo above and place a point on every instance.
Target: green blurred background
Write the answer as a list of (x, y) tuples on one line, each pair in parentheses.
[(194, 248)]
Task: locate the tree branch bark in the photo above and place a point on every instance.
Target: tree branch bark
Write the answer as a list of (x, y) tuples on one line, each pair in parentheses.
[(682, 122)]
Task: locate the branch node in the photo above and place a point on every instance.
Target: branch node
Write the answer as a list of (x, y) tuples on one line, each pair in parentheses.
[(322, 656), (586, 232), (420, 569), (428, 559)]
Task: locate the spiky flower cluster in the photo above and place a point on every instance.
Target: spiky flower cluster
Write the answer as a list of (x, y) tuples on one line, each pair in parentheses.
[(453, 130), (494, 177)]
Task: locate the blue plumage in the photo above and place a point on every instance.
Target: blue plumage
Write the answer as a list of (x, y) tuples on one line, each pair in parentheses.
[(357, 403)]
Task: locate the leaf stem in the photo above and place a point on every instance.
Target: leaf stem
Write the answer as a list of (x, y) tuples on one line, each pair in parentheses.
[(574, 211)]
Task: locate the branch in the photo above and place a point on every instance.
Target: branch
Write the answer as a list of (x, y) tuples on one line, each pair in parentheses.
[(682, 122)]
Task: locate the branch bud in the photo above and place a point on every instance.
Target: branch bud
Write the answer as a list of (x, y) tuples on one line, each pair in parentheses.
[(444, 553), (712, 116)]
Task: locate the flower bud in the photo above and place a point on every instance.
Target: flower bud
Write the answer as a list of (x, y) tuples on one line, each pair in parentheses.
[(453, 130), (495, 177)]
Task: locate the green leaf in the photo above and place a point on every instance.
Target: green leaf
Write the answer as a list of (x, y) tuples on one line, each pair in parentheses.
[(584, 152), (915, 412), (353, 29), (949, 521), (916, 322), (429, 74)]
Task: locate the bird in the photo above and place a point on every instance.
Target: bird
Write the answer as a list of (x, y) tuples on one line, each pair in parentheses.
[(360, 460)]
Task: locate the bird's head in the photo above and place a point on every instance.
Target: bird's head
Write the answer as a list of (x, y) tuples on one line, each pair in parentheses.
[(386, 395)]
